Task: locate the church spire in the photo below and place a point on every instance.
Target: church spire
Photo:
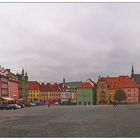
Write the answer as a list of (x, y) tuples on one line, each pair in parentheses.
[(132, 71), (64, 80), (22, 71)]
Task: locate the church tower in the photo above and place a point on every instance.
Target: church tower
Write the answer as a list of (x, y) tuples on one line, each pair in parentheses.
[(132, 72), (22, 71), (64, 80)]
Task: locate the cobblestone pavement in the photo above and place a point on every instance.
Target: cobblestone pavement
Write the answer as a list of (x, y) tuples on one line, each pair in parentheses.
[(71, 121)]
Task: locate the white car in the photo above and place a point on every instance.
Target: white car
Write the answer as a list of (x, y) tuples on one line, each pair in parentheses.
[(56, 103), (18, 106)]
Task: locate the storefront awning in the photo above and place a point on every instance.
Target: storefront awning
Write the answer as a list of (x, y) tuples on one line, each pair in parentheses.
[(7, 98)]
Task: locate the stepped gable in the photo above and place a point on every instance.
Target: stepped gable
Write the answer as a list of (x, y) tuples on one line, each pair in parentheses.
[(84, 85), (33, 85)]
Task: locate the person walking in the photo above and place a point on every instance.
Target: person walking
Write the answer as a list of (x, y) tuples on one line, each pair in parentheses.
[(114, 103), (48, 103)]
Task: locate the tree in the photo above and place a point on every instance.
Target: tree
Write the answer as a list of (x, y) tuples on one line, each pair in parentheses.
[(120, 95)]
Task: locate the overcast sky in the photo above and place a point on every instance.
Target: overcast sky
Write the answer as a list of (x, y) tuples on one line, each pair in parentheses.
[(72, 40)]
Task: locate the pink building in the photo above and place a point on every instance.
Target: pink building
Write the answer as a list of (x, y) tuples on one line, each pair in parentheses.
[(130, 89), (3, 83), (12, 85)]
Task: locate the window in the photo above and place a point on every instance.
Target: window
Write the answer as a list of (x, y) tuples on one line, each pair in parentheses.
[(129, 90), (129, 95)]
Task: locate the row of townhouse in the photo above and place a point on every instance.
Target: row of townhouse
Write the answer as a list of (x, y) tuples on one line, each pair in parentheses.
[(105, 90), (12, 86), (85, 93), (50, 92), (76, 92)]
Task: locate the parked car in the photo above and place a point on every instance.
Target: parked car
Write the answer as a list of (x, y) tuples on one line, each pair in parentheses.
[(13, 106), (56, 103), (20, 104), (33, 104), (68, 103), (3, 106)]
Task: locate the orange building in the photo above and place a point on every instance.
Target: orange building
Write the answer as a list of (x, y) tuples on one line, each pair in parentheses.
[(107, 87)]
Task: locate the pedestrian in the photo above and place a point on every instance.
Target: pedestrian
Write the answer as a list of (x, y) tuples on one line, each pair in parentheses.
[(114, 103), (48, 104)]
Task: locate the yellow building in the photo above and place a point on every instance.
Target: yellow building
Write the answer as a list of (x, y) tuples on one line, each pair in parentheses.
[(106, 88), (33, 91), (103, 92)]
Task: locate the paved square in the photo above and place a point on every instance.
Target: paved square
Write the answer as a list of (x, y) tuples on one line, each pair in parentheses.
[(71, 121)]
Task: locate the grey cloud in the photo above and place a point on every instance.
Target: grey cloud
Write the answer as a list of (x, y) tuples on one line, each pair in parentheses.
[(77, 41)]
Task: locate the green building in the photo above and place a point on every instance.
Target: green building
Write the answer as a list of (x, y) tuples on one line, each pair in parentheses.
[(22, 85), (72, 86), (86, 93)]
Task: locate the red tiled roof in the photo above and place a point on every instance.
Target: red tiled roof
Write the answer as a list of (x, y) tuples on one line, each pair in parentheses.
[(43, 87), (53, 87), (84, 85), (126, 82), (119, 82), (111, 81), (33, 85)]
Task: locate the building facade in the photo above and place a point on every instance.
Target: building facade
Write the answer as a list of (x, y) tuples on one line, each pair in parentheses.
[(85, 93), (72, 86), (108, 86), (3, 83), (22, 85), (43, 93), (33, 91), (12, 85), (53, 93), (136, 79)]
